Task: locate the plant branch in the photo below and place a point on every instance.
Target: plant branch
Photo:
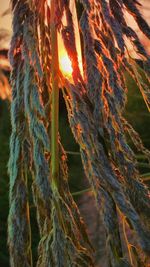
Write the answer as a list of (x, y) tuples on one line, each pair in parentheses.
[(55, 101)]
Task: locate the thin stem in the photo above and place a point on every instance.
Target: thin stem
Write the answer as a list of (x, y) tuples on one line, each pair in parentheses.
[(73, 153), (55, 101), (126, 240), (145, 177), (82, 192), (28, 215), (144, 165)]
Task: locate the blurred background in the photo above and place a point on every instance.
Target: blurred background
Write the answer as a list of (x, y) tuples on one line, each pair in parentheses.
[(136, 112)]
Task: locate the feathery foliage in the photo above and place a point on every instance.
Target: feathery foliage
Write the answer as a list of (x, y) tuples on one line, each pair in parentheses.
[(95, 102)]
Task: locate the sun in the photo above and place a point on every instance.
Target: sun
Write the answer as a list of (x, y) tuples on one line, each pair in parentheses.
[(65, 65)]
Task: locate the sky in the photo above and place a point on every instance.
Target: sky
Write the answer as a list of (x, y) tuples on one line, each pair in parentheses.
[(5, 21)]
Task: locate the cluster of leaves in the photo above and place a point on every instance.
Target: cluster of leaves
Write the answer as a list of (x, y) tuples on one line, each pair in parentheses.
[(95, 105)]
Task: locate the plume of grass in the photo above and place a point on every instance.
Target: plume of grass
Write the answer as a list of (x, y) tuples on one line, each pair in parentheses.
[(95, 104), (95, 114), (19, 234), (62, 243)]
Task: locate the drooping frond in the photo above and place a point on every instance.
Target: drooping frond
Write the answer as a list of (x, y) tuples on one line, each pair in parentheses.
[(95, 100), (19, 236), (59, 221), (96, 118)]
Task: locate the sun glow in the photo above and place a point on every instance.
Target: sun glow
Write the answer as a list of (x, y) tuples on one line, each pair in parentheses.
[(65, 65), (64, 60)]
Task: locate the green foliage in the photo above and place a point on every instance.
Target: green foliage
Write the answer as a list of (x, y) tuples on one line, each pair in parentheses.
[(136, 108)]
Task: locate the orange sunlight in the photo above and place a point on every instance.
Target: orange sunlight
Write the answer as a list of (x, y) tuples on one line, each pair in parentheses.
[(65, 64), (64, 61)]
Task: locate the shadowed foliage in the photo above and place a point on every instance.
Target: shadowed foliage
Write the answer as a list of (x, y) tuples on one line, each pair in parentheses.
[(95, 103)]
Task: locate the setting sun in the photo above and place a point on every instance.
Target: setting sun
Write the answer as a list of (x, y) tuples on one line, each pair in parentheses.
[(65, 65), (64, 61)]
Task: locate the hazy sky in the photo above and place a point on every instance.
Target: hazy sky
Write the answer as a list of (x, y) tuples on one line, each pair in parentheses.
[(5, 21)]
